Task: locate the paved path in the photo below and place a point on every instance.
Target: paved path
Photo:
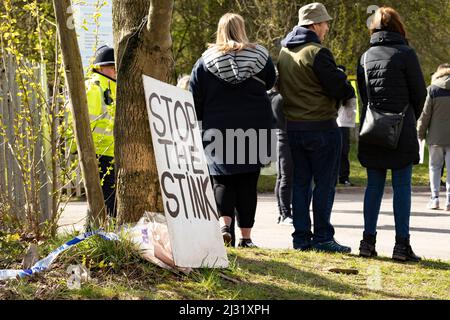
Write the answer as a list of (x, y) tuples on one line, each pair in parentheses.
[(430, 230)]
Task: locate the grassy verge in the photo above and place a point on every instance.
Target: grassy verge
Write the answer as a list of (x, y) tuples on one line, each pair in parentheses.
[(358, 174), (118, 273)]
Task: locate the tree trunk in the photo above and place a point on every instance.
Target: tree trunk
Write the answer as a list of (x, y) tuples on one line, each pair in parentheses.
[(143, 46), (77, 94)]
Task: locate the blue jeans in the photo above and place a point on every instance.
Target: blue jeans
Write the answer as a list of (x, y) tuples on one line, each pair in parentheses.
[(401, 183), (283, 186), (315, 156)]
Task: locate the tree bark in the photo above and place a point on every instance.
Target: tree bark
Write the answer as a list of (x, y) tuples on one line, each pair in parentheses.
[(143, 46), (77, 93)]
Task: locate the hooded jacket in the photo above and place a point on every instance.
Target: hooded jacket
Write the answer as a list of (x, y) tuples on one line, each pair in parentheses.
[(310, 82), (434, 123), (395, 80), (230, 92)]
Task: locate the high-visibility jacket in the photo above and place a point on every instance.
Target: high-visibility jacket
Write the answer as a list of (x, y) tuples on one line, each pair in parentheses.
[(101, 98), (354, 84)]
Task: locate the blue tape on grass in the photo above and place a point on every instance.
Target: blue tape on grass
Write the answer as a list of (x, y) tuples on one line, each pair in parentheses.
[(45, 263)]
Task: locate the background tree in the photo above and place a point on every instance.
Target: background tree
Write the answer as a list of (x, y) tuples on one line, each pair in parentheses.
[(269, 21), (143, 46), (28, 32), (34, 167), (77, 93), (194, 26)]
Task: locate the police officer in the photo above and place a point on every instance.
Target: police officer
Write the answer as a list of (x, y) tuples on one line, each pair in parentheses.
[(101, 95)]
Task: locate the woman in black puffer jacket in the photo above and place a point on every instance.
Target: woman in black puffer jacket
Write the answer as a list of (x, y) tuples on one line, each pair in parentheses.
[(395, 80)]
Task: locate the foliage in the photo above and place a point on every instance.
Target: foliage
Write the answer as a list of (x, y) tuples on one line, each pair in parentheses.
[(12, 249), (28, 34), (269, 21), (194, 24), (33, 134)]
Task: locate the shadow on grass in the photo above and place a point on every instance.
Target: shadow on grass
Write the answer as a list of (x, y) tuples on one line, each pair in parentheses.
[(325, 287)]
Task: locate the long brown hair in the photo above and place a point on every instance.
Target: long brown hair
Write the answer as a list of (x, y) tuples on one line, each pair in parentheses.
[(387, 19)]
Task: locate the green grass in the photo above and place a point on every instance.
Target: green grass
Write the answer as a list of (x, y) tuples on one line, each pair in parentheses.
[(358, 174), (252, 274)]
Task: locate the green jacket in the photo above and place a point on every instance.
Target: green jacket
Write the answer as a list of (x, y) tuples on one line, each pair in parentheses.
[(309, 81)]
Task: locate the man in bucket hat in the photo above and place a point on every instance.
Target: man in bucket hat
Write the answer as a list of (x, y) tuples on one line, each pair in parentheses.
[(312, 87)]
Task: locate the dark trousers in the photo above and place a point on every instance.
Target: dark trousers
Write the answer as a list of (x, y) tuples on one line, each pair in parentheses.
[(344, 168), (283, 185), (237, 195), (108, 181), (401, 184), (315, 156)]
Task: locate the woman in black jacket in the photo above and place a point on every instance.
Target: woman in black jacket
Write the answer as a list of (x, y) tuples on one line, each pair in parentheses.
[(229, 84), (395, 80)]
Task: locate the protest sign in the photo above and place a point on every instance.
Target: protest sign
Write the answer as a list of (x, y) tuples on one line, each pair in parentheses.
[(189, 205)]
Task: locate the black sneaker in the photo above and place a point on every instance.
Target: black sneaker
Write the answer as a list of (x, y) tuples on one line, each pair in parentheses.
[(226, 234), (246, 243), (331, 246)]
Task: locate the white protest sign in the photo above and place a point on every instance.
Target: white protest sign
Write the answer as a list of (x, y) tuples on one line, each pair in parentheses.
[(189, 205)]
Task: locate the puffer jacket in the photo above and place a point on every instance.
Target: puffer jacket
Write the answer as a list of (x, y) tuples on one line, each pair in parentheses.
[(434, 124), (395, 79), (230, 92)]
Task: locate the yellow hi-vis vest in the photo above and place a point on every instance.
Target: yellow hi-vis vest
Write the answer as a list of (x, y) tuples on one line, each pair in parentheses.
[(101, 98), (354, 84)]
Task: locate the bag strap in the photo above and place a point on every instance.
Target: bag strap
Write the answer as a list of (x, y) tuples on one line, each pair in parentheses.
[(403, 114), (366, 74)]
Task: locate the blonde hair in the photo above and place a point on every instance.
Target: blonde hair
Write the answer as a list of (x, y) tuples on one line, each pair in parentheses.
[(387, 19), (231, 35)]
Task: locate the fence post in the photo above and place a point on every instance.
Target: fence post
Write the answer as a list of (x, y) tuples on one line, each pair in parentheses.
[(17, 190), (3, 99), (44, 196), (9, 130)]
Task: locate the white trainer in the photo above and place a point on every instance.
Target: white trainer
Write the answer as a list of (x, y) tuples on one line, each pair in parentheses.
[(433, 204), (287, 221)]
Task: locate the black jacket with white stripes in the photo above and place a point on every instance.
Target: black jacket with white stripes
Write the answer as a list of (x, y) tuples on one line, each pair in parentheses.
[(229, 92)]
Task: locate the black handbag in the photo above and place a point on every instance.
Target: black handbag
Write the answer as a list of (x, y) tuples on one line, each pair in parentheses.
[(380, 128)]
